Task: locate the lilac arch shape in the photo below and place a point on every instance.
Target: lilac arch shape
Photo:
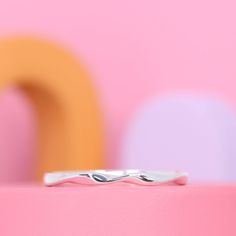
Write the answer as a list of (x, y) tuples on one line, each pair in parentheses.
[(187, 132)]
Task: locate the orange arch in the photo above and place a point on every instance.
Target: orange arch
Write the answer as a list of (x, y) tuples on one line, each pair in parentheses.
[(70, 131)]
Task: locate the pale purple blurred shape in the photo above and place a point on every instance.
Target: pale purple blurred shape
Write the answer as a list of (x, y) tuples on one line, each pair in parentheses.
[(186, 132), (17, 137)]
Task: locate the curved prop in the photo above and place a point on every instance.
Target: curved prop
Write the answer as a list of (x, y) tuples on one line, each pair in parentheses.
[(69, 119)]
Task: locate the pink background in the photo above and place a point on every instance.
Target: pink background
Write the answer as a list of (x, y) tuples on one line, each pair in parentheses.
[(134, 50), (17, 137), (137, 49)]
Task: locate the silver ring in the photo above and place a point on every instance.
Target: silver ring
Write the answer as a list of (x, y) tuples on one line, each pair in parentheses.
[(101, 177)]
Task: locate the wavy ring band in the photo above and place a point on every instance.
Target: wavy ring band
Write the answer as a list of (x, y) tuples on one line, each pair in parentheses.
[(101, 177)]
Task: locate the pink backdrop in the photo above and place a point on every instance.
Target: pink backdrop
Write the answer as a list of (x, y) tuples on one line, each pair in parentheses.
[(17, 137), (136, 49)]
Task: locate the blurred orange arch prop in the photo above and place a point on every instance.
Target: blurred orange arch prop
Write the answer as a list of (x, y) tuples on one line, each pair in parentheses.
[(70, 132)]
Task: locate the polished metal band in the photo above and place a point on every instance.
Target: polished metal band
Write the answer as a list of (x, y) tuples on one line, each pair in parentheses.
[(101, 177)]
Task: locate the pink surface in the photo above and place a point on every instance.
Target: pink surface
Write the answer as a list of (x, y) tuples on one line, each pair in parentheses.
[(118, 210), (17, 137), (183, 132), (136, 49)]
